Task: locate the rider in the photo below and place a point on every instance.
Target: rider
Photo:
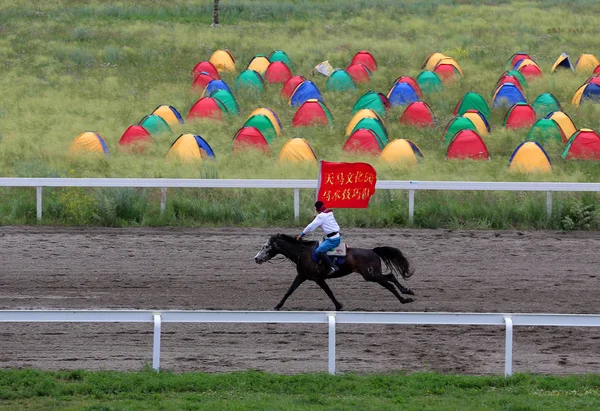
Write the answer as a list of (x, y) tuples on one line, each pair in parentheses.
[(332, 237)]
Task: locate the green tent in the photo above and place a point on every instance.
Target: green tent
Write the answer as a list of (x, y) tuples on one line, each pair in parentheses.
[(472, 101), (519, 76), (372, 100), (429, 82), (227, 99), (280, 55), (155, 124), (264, 125), (455, 125), (250, 80), (545, 130), (340, 80), (545, 104), (374, 125)]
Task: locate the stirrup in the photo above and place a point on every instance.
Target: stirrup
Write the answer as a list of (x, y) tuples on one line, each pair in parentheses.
[(333, 269)]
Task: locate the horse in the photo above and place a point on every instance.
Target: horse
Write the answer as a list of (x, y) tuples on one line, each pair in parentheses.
[(366, 262)]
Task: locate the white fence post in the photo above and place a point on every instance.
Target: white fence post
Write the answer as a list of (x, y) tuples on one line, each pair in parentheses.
[(156, 345), (296, 204), (509, 347), (163, 200), (38, 201), (331, 343), (411, 205), (549, 203)]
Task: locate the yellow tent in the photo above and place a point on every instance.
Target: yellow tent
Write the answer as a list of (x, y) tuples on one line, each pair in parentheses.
[(479, 121), (223, 60), (528, 62), (576, 100), (259, 64), (169, 114), (530, 157), (271, 115), (586, 63), (400, 151), (89, 142), (190, 147), (431, 61), (562, 61), (564, 122), (360, 114), (297, 150)]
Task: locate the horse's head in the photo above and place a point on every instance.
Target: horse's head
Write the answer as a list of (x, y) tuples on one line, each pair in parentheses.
[(275, 245)]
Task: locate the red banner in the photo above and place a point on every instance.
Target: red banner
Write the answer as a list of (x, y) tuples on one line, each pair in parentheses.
[(346, 185)]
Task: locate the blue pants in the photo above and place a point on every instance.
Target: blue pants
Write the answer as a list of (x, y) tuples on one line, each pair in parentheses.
[(328, 244)]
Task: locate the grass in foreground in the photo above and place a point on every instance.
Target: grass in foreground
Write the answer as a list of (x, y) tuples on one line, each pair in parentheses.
[(70, 390)]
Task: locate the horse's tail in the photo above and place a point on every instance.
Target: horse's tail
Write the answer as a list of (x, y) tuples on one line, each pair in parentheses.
[(395, 261)]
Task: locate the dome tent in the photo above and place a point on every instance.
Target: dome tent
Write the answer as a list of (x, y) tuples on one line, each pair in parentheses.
[(135, 138), (365, 58), (583, 145), (259, 63), (519, 115), (155, 124), (530, 157), (340, 80), (401, 151), (564, 122), (467, 144), (472, 101), (278, 72), (222, 60), (250, 80), (545, 130), (207, 107), (454, 126), (545, 104), (359, 73), (365, 141), (89, 142), (271, 115), (297, 150), (312, 112), (249, 137), (169, 114), (373, 100), (206, 67), (280, 55), (290, 85), (418, 114), (483, 127), (190, 147)]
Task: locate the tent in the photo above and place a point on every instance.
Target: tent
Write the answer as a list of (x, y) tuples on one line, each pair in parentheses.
[(412, 82), (545, 130), (359, 73), (250, 137), (311, 113), (226, 97), (135, 138), (364, 141), (529, 69), (190, 147), (250, 80), (584, 144), (402, 93), (169, 114), (215, 85), (418, 114), (89, 142), (454, 126), (201, 80), (586, 63), (472, 101), (506, 95), (271, 115), (259, 63), (290, 85), (432, 60), (401, 151), (530, 157), (280, 55), (510, 79), (587, 92), (359, 115), (374, 100), (206, 67), (304, 91), (222, 60), (483, 127), (524, 62), (448, 70), (597, 69), (376, 126), (207, 107), (564, 122), (516, 57), (593, 79), (514, 74), (155, 124), (519, 115), (467, 144), (544, 104), (278, 72), (562, 62), (297, 150), (429, 82), (365, 58), (264, 125), (340, 80)]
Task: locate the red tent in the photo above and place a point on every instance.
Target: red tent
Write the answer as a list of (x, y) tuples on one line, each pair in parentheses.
[(412, 82), (467, 144), (418, 114), (206, 107), (278, 72), (518, 57), (363, 140), (446, 72), (510, 79), (136, 138), (366, 58), (520, 115), (202, 80), (584, 145), (530, 71), (249, 137), (207, 67), (359, 73), (597, 69), (290, 85), (310, 113)]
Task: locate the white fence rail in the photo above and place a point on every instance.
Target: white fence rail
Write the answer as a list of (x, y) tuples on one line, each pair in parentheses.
[(303, 317), (296, 185)]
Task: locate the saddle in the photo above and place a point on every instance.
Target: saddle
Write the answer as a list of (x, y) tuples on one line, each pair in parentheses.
[(339, 251)]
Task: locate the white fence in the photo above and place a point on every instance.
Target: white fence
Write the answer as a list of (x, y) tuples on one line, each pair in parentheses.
[(304, 317), (296, 185)]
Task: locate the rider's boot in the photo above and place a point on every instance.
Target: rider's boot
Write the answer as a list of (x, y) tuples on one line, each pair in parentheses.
[(327, 260)]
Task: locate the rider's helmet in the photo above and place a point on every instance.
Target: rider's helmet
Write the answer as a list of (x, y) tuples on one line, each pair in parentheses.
[(319, 205)]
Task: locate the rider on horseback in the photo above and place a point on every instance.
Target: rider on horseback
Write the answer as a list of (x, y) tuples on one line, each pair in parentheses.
[(332, 237)]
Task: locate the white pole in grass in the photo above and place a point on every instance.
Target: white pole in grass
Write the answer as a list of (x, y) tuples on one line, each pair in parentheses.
[(163, 200), (549, 203), (296, 204), (509, 347), (411, 205), (331, 343), (38, 200), (156, 345)]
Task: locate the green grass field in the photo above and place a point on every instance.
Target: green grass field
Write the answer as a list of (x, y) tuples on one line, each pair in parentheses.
[(75, 66)]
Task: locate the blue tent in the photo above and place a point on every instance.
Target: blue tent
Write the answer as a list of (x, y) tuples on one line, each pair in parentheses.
[(305, 91), (216, 85), (507, 95), (401, 94)]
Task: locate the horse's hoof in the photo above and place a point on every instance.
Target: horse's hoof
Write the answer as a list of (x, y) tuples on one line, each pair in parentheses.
[(339, 308), (277, 308), (409, 292), (408, 300)]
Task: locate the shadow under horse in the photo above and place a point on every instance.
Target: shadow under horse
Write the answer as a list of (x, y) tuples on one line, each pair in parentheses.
[(366, 262)]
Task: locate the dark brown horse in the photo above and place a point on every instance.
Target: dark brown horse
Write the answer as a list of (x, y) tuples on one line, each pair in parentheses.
[(366, 262)]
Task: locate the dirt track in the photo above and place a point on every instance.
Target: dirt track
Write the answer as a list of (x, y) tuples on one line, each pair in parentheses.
[(167, 268)]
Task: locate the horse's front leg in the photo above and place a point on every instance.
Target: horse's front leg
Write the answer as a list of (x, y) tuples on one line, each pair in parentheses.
[(297, 281), (325, 287)]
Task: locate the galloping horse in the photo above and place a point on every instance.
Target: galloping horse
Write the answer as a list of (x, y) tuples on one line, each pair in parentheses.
[(366, 262)]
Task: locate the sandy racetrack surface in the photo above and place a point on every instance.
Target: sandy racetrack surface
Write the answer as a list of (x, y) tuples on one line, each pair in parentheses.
[(204, 268)]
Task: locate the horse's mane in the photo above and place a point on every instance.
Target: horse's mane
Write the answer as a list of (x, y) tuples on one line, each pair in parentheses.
[(292, 239)]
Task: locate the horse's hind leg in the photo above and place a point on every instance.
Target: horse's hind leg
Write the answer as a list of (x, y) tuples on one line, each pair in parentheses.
[(384, 282), (297, 281), (403, 290), (329, 293)]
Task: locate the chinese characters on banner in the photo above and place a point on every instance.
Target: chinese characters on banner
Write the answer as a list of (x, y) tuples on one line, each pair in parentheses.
[(346, 185)]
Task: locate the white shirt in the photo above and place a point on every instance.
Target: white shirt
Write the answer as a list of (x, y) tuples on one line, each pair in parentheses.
[(326, 221)]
